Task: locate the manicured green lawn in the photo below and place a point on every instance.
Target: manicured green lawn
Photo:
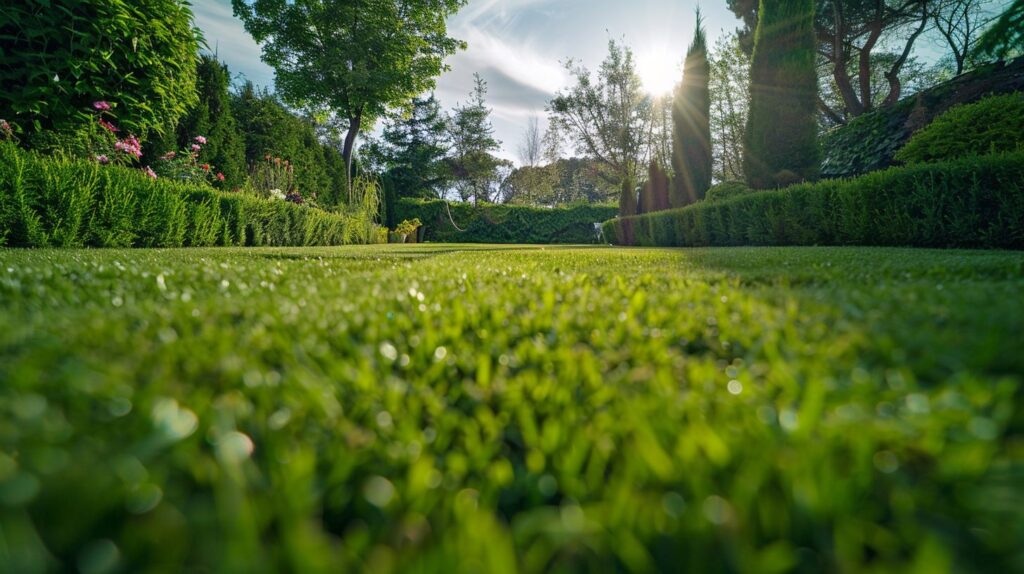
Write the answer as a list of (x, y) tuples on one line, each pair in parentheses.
[(446, 409)]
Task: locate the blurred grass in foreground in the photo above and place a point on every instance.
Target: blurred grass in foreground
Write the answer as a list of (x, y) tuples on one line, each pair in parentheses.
[(473, 409)]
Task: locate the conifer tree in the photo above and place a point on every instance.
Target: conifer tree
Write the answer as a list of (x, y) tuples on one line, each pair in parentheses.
[(691, 124), (212, 118), (781, 144)]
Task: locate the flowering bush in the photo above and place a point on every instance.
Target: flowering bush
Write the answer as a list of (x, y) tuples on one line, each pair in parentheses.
[(275, 178), (6, 131), (184, 165)]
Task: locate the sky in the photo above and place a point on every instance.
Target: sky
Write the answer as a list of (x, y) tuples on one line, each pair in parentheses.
[(518, 47)]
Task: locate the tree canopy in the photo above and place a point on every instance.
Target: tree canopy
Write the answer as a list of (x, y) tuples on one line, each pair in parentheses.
[(353, 58)]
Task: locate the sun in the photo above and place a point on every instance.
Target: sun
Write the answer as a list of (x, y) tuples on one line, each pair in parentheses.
[(658, 70)]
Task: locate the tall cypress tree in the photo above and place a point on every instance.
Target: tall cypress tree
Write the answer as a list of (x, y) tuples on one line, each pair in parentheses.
[(691, 124), (212, 118), (781, 145)]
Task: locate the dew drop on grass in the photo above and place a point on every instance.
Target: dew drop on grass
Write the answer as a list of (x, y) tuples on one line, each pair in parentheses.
[(716, 509), (234, 447), (788, 420), (735, 387), (388, 351), (378, 491), (440, 353), (279, 419), (384, 419)]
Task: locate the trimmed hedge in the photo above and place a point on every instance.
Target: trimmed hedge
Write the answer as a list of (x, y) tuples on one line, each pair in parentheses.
[(47, 202), (505, 223), (975, 202)]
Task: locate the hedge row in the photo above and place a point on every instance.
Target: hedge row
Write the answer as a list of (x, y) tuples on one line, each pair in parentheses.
[(504, 223), (974, 202), (46, 202)]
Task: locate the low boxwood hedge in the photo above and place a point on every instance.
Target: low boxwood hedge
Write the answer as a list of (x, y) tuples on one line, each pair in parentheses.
[(994, 124), (48, 202), (974, 202), (513, 224)]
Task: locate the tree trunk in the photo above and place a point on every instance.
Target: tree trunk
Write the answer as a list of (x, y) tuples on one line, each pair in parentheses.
[(865, 58), (346, 152), (893, 75), (840, 72)]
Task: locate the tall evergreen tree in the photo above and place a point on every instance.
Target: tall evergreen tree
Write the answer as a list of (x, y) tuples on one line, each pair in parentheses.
[(412, 149), (781, 145), (474, 165), (213, 119), (691, 124)]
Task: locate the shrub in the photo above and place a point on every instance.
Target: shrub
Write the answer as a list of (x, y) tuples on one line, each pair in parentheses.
[(728, 190), (782, 126), (47, 202), (994, 124), (973, 202), (59, 56), (505, 223)]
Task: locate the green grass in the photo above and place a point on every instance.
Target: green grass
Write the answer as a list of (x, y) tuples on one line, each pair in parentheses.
[(458, 409)]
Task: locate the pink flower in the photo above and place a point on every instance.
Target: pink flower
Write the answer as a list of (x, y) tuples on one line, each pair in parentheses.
[(101, 106), (5, 129), (200, 140), (103, 159), (149, 171), (108, 126), (129, 145), (195, 147), (220, 176), (169, 155)]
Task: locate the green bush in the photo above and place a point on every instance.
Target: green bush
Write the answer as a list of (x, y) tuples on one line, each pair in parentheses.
[(994, 124), (46, 202), (504, 223), (59, 56), (974, 202), (728, 190)]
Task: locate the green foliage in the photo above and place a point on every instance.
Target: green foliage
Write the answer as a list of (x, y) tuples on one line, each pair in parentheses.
[(654, 195), (412, 150), (212, 118), (608, 117), (47, 202), (1005, 38), (411, 409), (782, 126), (473, 166), (691, 124), (628, 197), (515, 224), (869, 142), (729, 190), (994, 124), (59, 56), (364, 58), (974, 202), (270, 129)]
